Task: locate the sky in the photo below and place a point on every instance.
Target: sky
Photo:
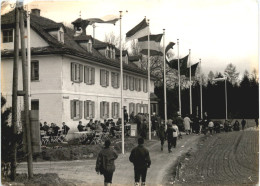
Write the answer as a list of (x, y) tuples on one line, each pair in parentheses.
[(218, 32)]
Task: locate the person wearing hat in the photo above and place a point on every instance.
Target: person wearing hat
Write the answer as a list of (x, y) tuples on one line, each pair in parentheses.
[(141, 159), (105, 163)]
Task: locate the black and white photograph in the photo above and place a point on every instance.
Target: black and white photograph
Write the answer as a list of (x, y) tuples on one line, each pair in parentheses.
[(129, 92)]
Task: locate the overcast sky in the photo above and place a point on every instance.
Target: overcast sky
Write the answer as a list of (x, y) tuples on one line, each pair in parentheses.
[(217, 31)]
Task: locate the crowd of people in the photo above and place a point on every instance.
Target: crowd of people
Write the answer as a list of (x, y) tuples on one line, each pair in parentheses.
[(53, 129)]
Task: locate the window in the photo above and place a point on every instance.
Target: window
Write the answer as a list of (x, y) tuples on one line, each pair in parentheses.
[(114, 54), (89, 46), (138, 84), (131, 83), (76, 109), (34, 104), (115, 110), (115, 79), (145, 85), (111, 53), (89, 109), (107, 52), (7, 36), (104, 109), (89, 75), (104, 78), (125, 82), (76, 72), (34, 70), (138, 108), (132, 108), (61, 36), (126, 59)]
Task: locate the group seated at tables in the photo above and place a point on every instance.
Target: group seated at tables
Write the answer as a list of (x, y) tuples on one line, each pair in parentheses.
[(53, 133), (108, 127)]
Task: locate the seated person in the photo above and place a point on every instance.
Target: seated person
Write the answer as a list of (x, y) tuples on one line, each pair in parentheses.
[(104, 127), (65, 128), (55, 129), (99, 127), (90, 123), (94, 125), (45, 127), (80, 127)]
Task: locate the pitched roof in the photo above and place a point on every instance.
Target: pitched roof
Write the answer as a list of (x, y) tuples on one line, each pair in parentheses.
[(41, 25)]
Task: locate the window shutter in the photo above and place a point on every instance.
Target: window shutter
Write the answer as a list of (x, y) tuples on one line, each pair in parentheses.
[(80, 73), (85, 74), (130, 108), (102, 77), (118, 80), (80, 109), (127, 82), (92, 76), (101, 109), (107, 78), (85, 109), (113, 79), (72, 112), (118, 106), (93, 109), (107, 109), (134, 108), (72, 71), (113, 109)]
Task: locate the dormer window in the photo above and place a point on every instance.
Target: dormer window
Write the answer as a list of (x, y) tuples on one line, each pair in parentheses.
[(7, 36), (89, 46), (126, 59), (111, 53), (114, 53), (61, 36)]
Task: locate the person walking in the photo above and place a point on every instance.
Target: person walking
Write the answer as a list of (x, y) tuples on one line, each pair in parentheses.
[(175, 134), (169, 134), (162, 134), (187, 123), (141, 159), (105, 163), (211, 126), (243, 123)]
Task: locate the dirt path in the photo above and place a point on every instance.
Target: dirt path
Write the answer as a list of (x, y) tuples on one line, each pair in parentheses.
[(83, 172), (226, 158)]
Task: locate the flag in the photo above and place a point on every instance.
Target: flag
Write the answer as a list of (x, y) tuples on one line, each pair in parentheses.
[(112, 19), (193, 70), (140, 30), (154, 44), (183, 64), (169, 46)]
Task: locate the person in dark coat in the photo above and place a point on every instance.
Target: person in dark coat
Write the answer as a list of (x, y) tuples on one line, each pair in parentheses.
[(243, 123), (80, 127), (169, 134), (45, 127), (162, 135), (105, 163), (141, 159), (125, 117), (65, 128)]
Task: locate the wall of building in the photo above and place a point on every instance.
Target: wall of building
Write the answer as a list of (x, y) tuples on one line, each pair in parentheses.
[(36, 41)]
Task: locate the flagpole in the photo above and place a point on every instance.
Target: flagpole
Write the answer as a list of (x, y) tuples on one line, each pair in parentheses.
[(179, 75), (148, 67), (201, 111), (29, 54), (121, 87), (164, 78), (94, 26), (190, 84)]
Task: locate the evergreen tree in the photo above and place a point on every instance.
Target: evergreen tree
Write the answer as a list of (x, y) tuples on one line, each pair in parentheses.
[(231, 74)]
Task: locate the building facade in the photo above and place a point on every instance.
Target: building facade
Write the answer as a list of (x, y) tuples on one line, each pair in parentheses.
[(73, 76)]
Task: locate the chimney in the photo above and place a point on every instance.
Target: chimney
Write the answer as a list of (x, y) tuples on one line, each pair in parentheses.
[(36, 11)]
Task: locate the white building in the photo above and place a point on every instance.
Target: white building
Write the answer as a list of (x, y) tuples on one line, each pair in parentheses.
[(73, 77)]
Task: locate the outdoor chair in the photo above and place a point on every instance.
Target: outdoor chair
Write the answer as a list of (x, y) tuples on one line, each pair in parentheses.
[(44, 138), (58, 138)]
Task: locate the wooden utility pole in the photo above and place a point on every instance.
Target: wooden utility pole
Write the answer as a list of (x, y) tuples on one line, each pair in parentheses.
[(26, 96), (14, 93)]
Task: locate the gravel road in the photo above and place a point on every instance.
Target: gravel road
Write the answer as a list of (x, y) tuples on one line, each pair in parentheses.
[(83, 171)]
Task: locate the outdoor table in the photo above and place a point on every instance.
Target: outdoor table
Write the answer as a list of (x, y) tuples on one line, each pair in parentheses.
[(83, 135)]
